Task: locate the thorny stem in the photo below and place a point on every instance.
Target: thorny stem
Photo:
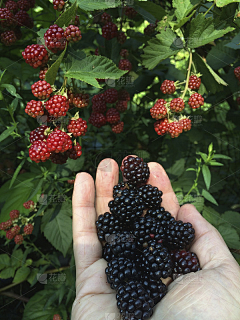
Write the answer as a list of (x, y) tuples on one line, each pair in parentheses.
[(188, 74)]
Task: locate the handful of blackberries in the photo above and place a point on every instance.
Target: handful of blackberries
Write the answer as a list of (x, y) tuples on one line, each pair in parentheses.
[(142, 243)]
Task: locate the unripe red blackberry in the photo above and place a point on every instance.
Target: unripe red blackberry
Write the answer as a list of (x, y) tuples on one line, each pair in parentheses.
[(100, 97), (8, 37), (18, 239), (12, 6), (75, 152), (168, 86), (96, 52), (118, 128), (72, 33), (159, 110), (121, 37), (39, 151), (36, 55), (23, 19), (59, 141), (109, 31), (196, 101), (123, 95), (9, 235), (130, 12), (28, 229), (58, 158), (177, 104), (194, 83), (34, 108), (237, 72), (6, 225), (24, 5), (38, 134), (15, 230), (161, 126), (111, 95), (57, 317), (54, 38), (184, 262), (112, 116), (58, 5), (71, 181), (57, 106), (6, 18), (150, 29), (105, 18), (42, 73), (78, 127), (81, 100), (97, 119), (29, 205), (124, 53), (186, 124), (41, 90), (125, 64), (121, 105), (99, 106), (14, 214), (175, 128)]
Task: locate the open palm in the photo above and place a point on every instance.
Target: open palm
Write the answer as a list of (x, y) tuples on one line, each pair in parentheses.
[(212, 293)]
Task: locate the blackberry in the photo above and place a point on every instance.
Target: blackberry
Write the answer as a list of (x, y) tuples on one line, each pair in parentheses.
[(109, 31), (156, 261), (55, 39), (155, 288), (121, 105), (107, 225), (162, 216), (127, 207), (161, 126), (58, 158), (135, 170), (151, 196), (159, 110), (123, 244), (196, 101), (184, 262), (118, 128), (8, 38), (179, 234), (175, 128), (120, 271), (107, 253), (97, 119), (75, 152), (38, 134), (186, 123), (111, 95), (134, 302), (118, 189), (168, 87), (121, 37), (125, 64), (23, 19), (146, 229), (194, 83), (112, 116), (177, 105)]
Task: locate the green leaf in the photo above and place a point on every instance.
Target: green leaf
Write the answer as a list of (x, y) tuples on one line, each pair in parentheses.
[(221, 56), (221, 156), (4, 261), (13, 106), (215, 163), (7, 273), (206, 175), (211, 215), (222, 3), (235, 42), (183, 21), (233, 218), (16, 258), (155, 10), (59, 232), (178, 168), (203, 155), (16, 172), (67, 16), (51, 74), (33, 274), (91, 5), (6, 133), (209, 197), (230, 236), (75, 165), (11, 89), (92, 68), (21, 274), (165, 44), (203, 30), (184, 8)]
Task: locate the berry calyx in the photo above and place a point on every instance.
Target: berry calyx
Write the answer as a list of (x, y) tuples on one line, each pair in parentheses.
[(34, 108), (81, 100), (194, 82), (72, 33), (237, 73), (75, 152), (58, 141), (39, 134), (35, 55), (58, 5), (159, 110), (28, 229), (121, 105), (196, 101), (161, 126), (168, 87), (54, 38), (111, 95), (97, 119), (118, 128), (78, 127), (177, 105), (109, 31), (14, 214), (18, 239), (41, 90), (175, 128), (112, 116), (8, 37), (57, 106), (39, 151), (125, 64)]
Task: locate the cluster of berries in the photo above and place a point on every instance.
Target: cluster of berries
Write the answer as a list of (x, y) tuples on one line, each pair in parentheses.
[(142, 243), (13, 226), (13, 16), (101, 116), (162, 110)]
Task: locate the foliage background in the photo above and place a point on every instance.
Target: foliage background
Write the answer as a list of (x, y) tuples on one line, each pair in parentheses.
[(211, 32)]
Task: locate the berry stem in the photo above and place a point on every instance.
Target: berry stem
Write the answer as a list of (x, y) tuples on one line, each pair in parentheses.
[(210, 8), (188, 74)]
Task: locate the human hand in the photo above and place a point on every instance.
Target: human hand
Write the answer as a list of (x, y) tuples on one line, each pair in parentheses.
[(212, 293)]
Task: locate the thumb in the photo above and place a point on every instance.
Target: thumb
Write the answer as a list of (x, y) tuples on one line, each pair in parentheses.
[(208, 244)]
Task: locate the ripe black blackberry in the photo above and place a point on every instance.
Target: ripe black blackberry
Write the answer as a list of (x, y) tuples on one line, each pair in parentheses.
[(134, 302), (107, 224), (162, 216), (135, 170), (120, 271), (184, 262), (107, 253), (123, 244), (118, 189), (155, 288), (178, 234), (156, 261), (151, 196), (146, 229), (127, 207)]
